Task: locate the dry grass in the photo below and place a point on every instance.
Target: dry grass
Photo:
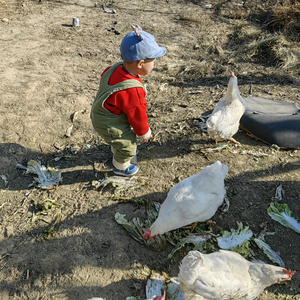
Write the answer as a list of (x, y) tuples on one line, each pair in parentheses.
[(193, 17), (247, 32), (274, 48), (275, 43), (286, 19)]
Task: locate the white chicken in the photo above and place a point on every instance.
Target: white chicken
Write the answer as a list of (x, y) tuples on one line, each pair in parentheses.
[(226, 275), (194, 199), (224, 121)]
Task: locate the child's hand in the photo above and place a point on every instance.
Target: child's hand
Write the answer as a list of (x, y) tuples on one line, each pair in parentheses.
[(146, 140)]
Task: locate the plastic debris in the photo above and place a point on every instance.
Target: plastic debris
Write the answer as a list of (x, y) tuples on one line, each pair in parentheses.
[(4, 178), (48, 178), (279, 193), (273, 256), (230, 240), (282, 214)]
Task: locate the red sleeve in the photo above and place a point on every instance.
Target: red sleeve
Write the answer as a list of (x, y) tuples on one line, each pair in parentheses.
[(135, 107), (133, 104)]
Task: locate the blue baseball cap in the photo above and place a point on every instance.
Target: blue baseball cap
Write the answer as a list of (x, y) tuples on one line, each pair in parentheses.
[(138, 45)]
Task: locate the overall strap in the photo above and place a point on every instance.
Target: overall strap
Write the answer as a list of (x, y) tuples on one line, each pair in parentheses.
[(105, 90)]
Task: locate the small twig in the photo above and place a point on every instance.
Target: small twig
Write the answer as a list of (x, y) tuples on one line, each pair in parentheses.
[(268, 18), (250, 90), (7, 254), (155, 135), (43, 295)]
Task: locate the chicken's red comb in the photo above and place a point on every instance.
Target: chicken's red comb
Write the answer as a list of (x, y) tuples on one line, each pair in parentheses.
[(289, 272), (147, 233)]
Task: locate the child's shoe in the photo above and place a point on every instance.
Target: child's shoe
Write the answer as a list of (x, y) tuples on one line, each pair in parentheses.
[(134, 159), (131, 170)]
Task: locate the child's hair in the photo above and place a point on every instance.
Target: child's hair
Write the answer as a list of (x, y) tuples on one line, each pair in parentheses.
[(139, 45)]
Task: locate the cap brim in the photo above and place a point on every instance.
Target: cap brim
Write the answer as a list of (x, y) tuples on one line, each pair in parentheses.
[(162, 51)]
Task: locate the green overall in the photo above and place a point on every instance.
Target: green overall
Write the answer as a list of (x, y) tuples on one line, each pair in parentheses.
[(114, 129)]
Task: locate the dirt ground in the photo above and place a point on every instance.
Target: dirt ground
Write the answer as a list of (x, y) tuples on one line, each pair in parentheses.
[(50, 70)]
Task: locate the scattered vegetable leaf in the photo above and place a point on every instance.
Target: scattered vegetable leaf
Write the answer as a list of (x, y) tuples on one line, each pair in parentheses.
[(230, 240), (52, 230), (48, 178), (282, 214), (46, 205), (197, 239), (135, 229), (150, 147), (121, 183), (273, 256)]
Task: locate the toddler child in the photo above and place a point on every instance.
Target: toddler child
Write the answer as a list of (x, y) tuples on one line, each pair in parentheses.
[(119, 111)]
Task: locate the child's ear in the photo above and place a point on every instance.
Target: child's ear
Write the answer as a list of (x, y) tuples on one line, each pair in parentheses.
[(140, 64)]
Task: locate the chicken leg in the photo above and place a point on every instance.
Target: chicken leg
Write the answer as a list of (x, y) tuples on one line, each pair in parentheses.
[(191, 227), (234, 141)]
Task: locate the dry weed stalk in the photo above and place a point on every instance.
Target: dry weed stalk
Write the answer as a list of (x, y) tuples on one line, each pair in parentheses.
[(193, 17)]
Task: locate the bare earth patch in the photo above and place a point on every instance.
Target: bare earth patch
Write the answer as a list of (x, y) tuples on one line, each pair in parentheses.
[(50, 70)]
